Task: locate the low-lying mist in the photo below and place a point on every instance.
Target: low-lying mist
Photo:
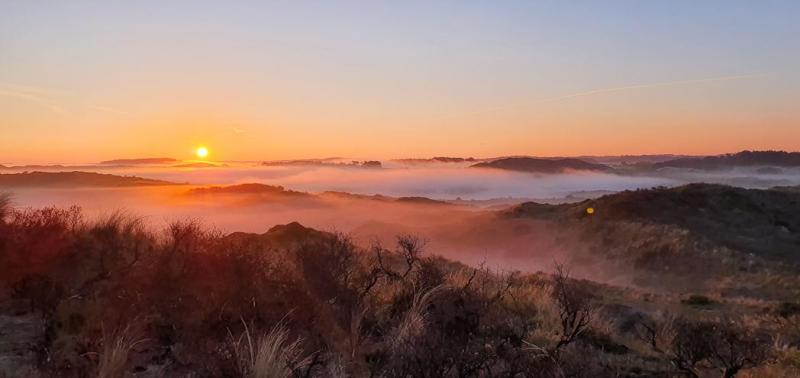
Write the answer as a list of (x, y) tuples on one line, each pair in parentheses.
[(464, 233), (440, 182), (467, 231)]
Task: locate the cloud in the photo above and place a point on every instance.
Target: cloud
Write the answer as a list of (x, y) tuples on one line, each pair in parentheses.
[(601, 91), (32, 97), (652, 85), (109, 110), (50, 98)]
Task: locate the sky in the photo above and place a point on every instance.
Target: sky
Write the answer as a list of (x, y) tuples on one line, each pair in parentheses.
[(83, 81)]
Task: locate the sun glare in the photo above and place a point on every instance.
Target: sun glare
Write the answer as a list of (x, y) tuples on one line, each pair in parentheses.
[(201, 152)]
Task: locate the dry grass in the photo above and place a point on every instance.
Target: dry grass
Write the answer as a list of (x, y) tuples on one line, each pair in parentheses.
[(113, 359), (271, 356), (5, 205), (335, 368), (413, 323)]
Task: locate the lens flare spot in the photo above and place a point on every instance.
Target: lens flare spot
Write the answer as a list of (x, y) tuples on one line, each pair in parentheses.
[(590, 210)]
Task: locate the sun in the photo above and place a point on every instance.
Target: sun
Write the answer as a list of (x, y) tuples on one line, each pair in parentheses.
[(201, 152)]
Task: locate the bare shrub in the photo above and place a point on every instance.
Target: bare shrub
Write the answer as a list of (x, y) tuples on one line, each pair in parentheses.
[(575, 307), (727, 346), (656, 331)]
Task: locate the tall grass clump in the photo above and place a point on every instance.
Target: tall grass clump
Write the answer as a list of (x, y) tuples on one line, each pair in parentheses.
[(273, 355), (5, 206), (117, 347), (414, 320)]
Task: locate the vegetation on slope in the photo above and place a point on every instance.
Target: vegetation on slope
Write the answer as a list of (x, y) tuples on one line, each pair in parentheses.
[(695, 233), (113, 298)]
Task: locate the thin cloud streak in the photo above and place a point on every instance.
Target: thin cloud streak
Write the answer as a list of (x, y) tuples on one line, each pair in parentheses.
[(601, 91), (49, 98), (238, 131), (653, 85), (33, 98), (109, 110)]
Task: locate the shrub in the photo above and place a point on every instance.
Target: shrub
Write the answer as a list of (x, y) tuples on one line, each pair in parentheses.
[(697, 300), (725, 345), (787, 309)]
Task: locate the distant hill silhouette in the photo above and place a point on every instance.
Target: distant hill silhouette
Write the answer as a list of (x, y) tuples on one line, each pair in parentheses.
[(141, 161), (56, 167), (539, 165), (629, 159), (74, 179), (437, 159), (422, 201), (255, 191), (743, 158), (328, 162), (199, 164), (247, 189)]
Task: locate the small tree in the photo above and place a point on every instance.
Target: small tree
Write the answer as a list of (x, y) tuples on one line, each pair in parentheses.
[(575, 307)]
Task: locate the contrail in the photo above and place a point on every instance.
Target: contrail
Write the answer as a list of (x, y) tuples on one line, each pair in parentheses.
[(607, 90)]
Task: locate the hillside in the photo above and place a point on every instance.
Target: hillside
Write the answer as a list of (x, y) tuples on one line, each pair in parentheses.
[(739, 159), (709, 233), (538, 165), (73, 180), (186, 300)]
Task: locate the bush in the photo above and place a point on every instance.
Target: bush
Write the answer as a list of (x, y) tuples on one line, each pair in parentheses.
[(325, 305), (787, 309), (697, 300)]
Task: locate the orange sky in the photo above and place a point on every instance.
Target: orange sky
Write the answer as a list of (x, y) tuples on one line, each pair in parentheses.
[(83, 83)]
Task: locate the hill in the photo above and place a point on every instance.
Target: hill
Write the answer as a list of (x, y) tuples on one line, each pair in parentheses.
[(246, 189), (739, 159), (708, 234), (185, 300), (199, 164), (263, 192), (280, 236), (328, 162), (538, 165), (436, 159), (74, 179), (140, 161)]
